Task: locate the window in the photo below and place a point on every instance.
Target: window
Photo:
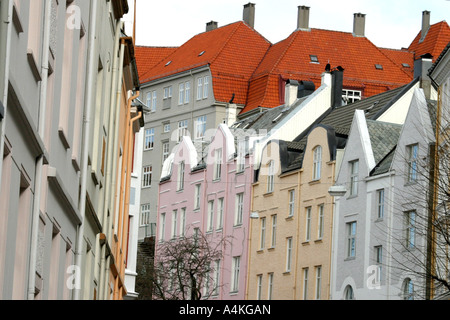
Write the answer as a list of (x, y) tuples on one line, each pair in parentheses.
[(199, 88), (181, 168), (314, 58), (412, 154), (270, 177), (354, 170), (318, 282), (197, 197), (288, 254), (210, 215), (187, 92), (239, 209), (291, 203), (351, 239), (182, 129), (263, 233), (217, 164), (149, 100), (166, 127), (308, 224), (162, 226), (320, 222), (350, 96), (168, 92), (317, 162), (380, 203), (205, 87), (242, 147), (305, 283), (274, 231), (259, 286), (408, 289), (216, 278), (220, 205), (200, 127), (174, 223), (235, 274), (165, 151), (270, 287), (147, 177), (379, 261), (154, 101), (149, 139), (378, 67), (145, 215), (182, 222), (181, 94), (410, 222), (348, 294)]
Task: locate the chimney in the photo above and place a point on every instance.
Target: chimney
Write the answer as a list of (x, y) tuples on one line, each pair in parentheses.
[(425, 24), (211, 25), (305, 88), (338, 82), (421, 67), (291, 92), (303, 18), (249, 14), (359, 25)]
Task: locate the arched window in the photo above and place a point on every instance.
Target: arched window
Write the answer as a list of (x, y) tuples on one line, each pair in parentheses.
[(317, 162), (408, 289), (348, 293)]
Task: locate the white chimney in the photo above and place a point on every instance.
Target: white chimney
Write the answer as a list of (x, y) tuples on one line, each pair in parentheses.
[(291, 92), (425, 23)]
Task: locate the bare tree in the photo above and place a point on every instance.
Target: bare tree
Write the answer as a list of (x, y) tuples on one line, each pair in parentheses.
[(185, 268)]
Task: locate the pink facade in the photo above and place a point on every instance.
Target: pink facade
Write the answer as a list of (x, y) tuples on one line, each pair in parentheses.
[(215, 197)]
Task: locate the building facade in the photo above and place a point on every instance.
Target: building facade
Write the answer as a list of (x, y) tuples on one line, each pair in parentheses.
[(59, 101)]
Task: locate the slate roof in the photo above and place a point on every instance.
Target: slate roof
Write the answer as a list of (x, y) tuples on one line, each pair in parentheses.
[(383, 137)]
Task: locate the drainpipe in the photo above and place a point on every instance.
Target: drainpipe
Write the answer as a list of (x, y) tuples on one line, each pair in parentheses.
[(40, 159), (5, 42), (86, 133), (115, 90)]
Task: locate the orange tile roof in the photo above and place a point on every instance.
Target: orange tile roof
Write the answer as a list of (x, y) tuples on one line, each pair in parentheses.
[(290, 59), (403, 58), (436, 39), (232, 52), (148, 57)]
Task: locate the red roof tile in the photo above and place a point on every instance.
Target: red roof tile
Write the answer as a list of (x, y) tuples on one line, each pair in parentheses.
[(436, 39), (290, 59), (148, 57), (232, 52)]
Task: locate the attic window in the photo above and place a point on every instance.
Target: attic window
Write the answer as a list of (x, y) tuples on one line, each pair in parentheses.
[(314, 58), (379, 67), (201, 53), (405, 65), (168, 63)]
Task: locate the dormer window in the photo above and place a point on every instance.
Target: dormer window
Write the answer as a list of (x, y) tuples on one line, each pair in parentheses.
[(314, 58), (379, 67)]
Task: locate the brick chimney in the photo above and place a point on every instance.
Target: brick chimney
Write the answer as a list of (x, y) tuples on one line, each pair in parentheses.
[(249, 14), (359, 25), (425, 24), (303, 18), (211, 25)]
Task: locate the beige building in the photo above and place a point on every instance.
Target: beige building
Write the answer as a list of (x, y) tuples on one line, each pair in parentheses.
[(291, 241)]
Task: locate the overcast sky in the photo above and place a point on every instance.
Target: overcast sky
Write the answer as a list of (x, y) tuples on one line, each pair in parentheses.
[(389, 23)]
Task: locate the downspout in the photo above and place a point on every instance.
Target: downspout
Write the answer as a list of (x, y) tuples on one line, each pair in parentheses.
[(5, 42), (297, 244), (40, 159), (86, 133), (112, 126), (333, 181)]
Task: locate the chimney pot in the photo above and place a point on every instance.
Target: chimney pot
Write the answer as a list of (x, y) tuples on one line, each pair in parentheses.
[(249, 14), (359, 25), (211, 25), (303, 18)]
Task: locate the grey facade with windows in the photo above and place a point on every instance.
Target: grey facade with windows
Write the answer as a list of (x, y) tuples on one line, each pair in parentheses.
[(183, 107)]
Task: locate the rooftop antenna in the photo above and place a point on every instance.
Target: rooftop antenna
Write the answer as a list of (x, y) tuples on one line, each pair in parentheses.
[(134, 24)]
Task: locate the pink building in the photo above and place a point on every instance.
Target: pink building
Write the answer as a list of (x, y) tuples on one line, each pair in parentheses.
[(209, 192)]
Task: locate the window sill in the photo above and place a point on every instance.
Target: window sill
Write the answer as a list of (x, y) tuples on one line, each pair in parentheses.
[(286, 273), (350, 259), (260, 251), (289, 218), (313, 182), (271, 249), (318, 241), (306, 243), (268, 194)]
